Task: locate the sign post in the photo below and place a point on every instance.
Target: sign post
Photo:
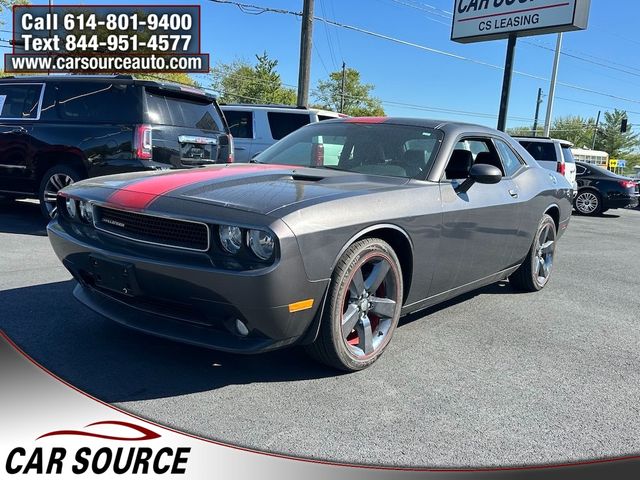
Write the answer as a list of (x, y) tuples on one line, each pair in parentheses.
[(483, 20)]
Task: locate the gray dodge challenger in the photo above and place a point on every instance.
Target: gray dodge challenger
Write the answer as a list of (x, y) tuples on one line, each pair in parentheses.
[(325, 240)]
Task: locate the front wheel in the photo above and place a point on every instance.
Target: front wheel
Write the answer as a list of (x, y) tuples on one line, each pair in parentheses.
[(588, 203), (54, 180), (363, 307), (535, 272)]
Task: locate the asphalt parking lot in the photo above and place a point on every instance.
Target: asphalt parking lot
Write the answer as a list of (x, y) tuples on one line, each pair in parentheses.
[(493, 378)]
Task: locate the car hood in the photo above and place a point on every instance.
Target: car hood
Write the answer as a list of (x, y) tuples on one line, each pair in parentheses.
[(250, 187)]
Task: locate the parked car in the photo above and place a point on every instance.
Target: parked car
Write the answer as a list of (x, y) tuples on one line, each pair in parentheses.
[(257, 127), (552, 154), (57, 130), (600, 190), (300, 249)]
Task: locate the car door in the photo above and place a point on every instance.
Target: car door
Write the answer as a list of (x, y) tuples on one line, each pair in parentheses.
[(241, 126), (479, 226), (19, 109)]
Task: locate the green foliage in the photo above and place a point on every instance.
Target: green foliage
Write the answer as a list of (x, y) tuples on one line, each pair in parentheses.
[(611, 140), (358, 101), (575, 129), (239, 81), (7, 4)]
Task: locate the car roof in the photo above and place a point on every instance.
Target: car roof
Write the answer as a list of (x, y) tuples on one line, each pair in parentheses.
[(127, 79), (564, 143), (448, 126), (279, 108)]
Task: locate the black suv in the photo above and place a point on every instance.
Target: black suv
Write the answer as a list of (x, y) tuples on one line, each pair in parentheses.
[(57, 130)]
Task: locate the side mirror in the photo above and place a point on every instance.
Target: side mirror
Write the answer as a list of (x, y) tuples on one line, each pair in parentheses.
[(480, 173)]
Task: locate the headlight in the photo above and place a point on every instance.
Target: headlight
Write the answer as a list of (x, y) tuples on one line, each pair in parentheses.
[(230, 238), (72, 208), (261, 243), (86, 211)]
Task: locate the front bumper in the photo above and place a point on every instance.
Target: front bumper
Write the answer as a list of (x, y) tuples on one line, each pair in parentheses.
[(178, 296)]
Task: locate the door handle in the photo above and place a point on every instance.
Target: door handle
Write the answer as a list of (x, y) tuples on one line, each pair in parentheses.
[(239, 148), (513, 193)]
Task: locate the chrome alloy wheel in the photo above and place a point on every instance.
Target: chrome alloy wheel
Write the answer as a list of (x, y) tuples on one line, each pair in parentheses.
[(55, 183), (544, 253), (587, 202), (369, 307)]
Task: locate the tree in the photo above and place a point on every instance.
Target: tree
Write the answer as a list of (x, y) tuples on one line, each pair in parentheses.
[(239, 81), (611, 140), (575, 129), (358, 101)]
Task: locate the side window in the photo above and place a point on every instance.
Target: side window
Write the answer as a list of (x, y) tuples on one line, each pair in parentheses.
[(98, 102), (580, 170), (468, 152), (283, 123), (240, 123), (325, 117), (568, 155), (19, 101), (512, 163)]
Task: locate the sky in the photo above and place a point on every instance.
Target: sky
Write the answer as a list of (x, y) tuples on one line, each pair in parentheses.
[(435, 85)]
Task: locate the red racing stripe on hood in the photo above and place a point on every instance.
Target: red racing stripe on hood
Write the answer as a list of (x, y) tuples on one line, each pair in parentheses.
[(141, 194)]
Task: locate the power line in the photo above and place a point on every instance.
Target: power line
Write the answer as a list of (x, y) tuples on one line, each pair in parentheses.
[(432, 50), (541, 46)]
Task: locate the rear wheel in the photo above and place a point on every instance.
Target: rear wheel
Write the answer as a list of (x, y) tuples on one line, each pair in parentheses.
[(535, 272), (363, 307), (588, 202), (54, 180)]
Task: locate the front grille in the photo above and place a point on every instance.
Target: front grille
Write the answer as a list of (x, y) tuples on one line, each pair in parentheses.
[(152, 229)]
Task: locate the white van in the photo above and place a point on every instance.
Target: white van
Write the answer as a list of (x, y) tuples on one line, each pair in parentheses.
[(256, 127)]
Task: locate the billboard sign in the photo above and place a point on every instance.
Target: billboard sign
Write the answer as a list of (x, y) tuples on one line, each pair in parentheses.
[(482, 20)]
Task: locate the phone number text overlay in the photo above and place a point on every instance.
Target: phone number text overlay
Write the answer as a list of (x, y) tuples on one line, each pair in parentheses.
[(106, 39)]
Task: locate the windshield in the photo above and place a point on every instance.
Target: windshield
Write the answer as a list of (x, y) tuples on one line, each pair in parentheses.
[(374, 149)]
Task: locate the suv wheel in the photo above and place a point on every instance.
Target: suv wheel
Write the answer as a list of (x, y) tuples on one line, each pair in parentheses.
[(588, 202), (54, 180), (363, 307)]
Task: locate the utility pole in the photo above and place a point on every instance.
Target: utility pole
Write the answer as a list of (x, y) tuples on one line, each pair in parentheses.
[(552, 89), (306, 39), (595, 131), (506, 82), (344, 79), (535, 121)]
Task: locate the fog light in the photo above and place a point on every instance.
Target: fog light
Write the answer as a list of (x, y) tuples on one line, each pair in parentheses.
[(241, 328)]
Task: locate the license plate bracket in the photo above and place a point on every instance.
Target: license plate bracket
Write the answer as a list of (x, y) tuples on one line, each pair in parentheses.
[(114, 276)]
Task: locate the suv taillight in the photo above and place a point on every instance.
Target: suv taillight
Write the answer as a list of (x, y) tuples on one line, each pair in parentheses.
[(231, 156), (628, 184), (144, 142), (317, 154), (562, 168)]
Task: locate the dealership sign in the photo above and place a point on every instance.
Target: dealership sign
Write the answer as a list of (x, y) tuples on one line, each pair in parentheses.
[(481, 20)]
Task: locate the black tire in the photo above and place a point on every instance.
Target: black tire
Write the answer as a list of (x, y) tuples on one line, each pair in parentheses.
[(364, 260), (588, 202), (527, 278), (50, 182)]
